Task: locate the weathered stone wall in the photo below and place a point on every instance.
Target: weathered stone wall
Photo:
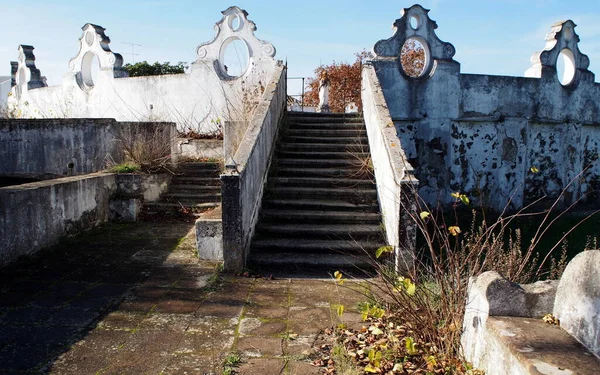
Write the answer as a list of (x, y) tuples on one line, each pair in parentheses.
[(50, 146), (61, 147), (246, 173), (36, 215), (483, 134), (197, 100)]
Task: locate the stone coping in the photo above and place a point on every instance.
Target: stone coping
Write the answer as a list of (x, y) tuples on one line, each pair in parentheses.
[(541, 348)]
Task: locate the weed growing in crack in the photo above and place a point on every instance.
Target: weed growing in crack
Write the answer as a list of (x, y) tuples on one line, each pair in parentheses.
[(231, 362)]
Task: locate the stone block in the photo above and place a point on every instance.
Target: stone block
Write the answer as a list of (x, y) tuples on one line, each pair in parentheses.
[(577, 303), (209, 238), (492, 295), (125, 209)]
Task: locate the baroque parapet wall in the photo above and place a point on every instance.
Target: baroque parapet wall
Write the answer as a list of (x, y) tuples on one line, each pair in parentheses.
[(499, 139), (96, 85)]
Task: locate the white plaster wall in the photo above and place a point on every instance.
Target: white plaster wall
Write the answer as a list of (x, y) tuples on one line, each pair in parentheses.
[(191, 100), (194, 100)]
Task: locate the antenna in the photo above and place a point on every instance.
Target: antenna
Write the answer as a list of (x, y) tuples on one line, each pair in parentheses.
[(133, 54)]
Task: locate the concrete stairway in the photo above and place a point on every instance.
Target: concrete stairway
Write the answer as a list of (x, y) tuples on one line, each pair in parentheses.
[(195, 187), (320, 209)]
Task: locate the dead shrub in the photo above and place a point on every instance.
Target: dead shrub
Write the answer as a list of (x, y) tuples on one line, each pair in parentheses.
[(147, 145), (431, 298)]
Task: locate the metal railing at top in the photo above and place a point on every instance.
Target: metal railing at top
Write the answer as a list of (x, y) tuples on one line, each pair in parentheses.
[(301, 96)]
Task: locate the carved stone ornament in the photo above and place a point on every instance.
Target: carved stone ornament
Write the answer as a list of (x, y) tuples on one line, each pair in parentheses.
[(94, 43), (234, 25), (562, 42), (415, 23), (26, 76)]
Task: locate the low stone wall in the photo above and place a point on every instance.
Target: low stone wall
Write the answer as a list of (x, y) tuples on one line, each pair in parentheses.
[(65, 147), (57, 146), (36, 215), (245, 176), (396, 185), (503, 332)]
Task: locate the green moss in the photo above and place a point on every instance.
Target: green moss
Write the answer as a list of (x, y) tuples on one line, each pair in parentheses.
[(127, 167)]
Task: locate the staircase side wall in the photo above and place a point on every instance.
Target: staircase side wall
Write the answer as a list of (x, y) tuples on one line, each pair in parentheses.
[(393, 174), (246, 173)]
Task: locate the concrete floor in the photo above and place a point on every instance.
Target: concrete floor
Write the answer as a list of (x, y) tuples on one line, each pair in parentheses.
[(134, 299)]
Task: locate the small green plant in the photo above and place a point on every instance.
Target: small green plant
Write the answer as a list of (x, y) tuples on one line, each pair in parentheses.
[(127, 167), (231, 363)]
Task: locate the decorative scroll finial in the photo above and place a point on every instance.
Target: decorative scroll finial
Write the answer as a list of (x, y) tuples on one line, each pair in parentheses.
[(24, 74), (561, 42), (415, 24), (94, 43), (234, 25)]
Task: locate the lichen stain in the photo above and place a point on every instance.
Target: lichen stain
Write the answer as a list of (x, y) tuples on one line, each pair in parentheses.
[(509, 150)]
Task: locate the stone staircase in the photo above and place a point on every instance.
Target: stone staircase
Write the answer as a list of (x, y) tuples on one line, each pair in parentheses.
[(319, 210), (194, 188)]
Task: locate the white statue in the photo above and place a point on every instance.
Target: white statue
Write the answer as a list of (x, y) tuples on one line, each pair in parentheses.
[(323, 93)]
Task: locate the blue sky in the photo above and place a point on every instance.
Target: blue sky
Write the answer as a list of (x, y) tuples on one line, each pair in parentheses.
[(491, 36)]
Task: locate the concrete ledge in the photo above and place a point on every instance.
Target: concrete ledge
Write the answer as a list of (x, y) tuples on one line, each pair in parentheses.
[(530, 346)]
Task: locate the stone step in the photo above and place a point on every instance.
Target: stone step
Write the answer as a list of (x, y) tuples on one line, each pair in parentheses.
[(204, 173), (162, 205), (316, 205), (320, 231), (348, 172), (266, 245), (359, 140), (326, 126), (286, 145), (187, 198), (317, 265), (196, 166), (316, 133), (194, 180), (323, 154), (351, 194), (325, 216), (317, 163), (306, 118), (321, 182), (194, 189)]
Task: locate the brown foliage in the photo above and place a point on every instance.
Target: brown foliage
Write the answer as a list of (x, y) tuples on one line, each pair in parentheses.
[(412, 58), (344, 84), (345, 79)]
